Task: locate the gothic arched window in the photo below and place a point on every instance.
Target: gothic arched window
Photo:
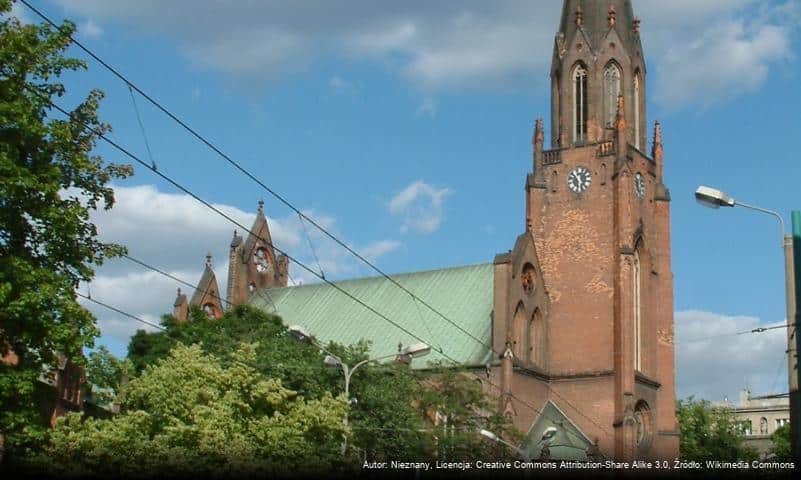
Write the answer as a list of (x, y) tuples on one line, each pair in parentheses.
[(611, 92), (519, 333), (637, 109), (536, 342), (209, 310), (636, 295), (579, 103)]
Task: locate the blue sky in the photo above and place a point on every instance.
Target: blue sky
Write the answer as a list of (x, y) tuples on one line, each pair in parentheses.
[(407, 130)]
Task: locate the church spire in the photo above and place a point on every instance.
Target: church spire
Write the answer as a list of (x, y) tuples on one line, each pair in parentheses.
[(597, 56), (596, 17)]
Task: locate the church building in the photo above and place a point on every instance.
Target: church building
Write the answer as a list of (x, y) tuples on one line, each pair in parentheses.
[(572, 329)]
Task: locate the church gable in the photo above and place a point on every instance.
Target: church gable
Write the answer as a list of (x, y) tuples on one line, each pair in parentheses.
[(524, 327), (554, 436), (207, 295)]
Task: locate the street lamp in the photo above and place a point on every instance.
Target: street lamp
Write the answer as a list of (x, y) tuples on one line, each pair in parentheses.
[(411, 351), (713, 198), (497, 439)]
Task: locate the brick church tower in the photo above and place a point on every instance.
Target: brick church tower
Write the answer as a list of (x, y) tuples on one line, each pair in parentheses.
[(584, 302), (252, 265)]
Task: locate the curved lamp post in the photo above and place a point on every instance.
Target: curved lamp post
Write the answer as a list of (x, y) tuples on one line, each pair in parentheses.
[(713, 198), (496, 438), (411, 351)]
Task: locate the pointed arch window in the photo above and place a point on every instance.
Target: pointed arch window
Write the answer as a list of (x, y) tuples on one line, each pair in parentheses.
[(611, 92), (637, 109), (579, 104), (536, 340), (637, 297), (519, 333)]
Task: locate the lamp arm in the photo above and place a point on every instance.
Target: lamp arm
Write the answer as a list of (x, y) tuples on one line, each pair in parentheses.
[(763, 210), (363, 362)]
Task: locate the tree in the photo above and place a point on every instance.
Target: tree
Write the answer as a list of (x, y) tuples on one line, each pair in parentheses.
[(394, 405), (49, 182), (189, 413), (106, 374), (781, 443), (710, 433)]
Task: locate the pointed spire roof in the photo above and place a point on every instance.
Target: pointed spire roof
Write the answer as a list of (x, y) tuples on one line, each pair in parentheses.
[(261, 234), (596, 17), (206, 286)]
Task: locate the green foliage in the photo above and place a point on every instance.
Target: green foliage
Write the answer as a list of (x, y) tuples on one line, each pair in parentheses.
[(465, 408), (49, 182), (190, 413), (105, 374), (394, 405), (299, 366), (782, 448), (710, 433)]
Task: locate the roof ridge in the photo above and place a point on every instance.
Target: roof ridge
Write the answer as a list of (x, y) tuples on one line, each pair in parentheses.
[(394, 276)]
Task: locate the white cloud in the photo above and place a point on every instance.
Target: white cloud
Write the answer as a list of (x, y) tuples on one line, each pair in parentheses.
[(719, 367), (420, 205), (378, 249), (699, 49), (90, 29), (729, 59), (173, 232)]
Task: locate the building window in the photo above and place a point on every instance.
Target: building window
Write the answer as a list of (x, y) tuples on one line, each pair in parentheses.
[(780, 422), (636, 294), (528, 279), (519, 333), (536, 341), (611, 92), (637, 110), (580, 104), (210, 310), (763, 426)]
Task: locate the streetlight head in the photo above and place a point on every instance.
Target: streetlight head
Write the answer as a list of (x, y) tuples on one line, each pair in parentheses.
[(331, 361), (416, 350), (488, 434), (712, 198), (299, 333), (549, 434)]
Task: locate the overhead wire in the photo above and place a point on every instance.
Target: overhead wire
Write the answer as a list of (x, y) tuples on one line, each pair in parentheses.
[(121, 312), (734, 334), (277, 196), (184, 282), (252, 177), (301, 264), (142, 128)]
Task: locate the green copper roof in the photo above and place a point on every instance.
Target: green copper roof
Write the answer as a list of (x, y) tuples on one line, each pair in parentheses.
[(462, 294)]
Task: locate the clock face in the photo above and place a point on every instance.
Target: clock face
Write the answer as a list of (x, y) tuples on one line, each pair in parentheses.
[(639, 185), (579, 180), (260, 259)]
